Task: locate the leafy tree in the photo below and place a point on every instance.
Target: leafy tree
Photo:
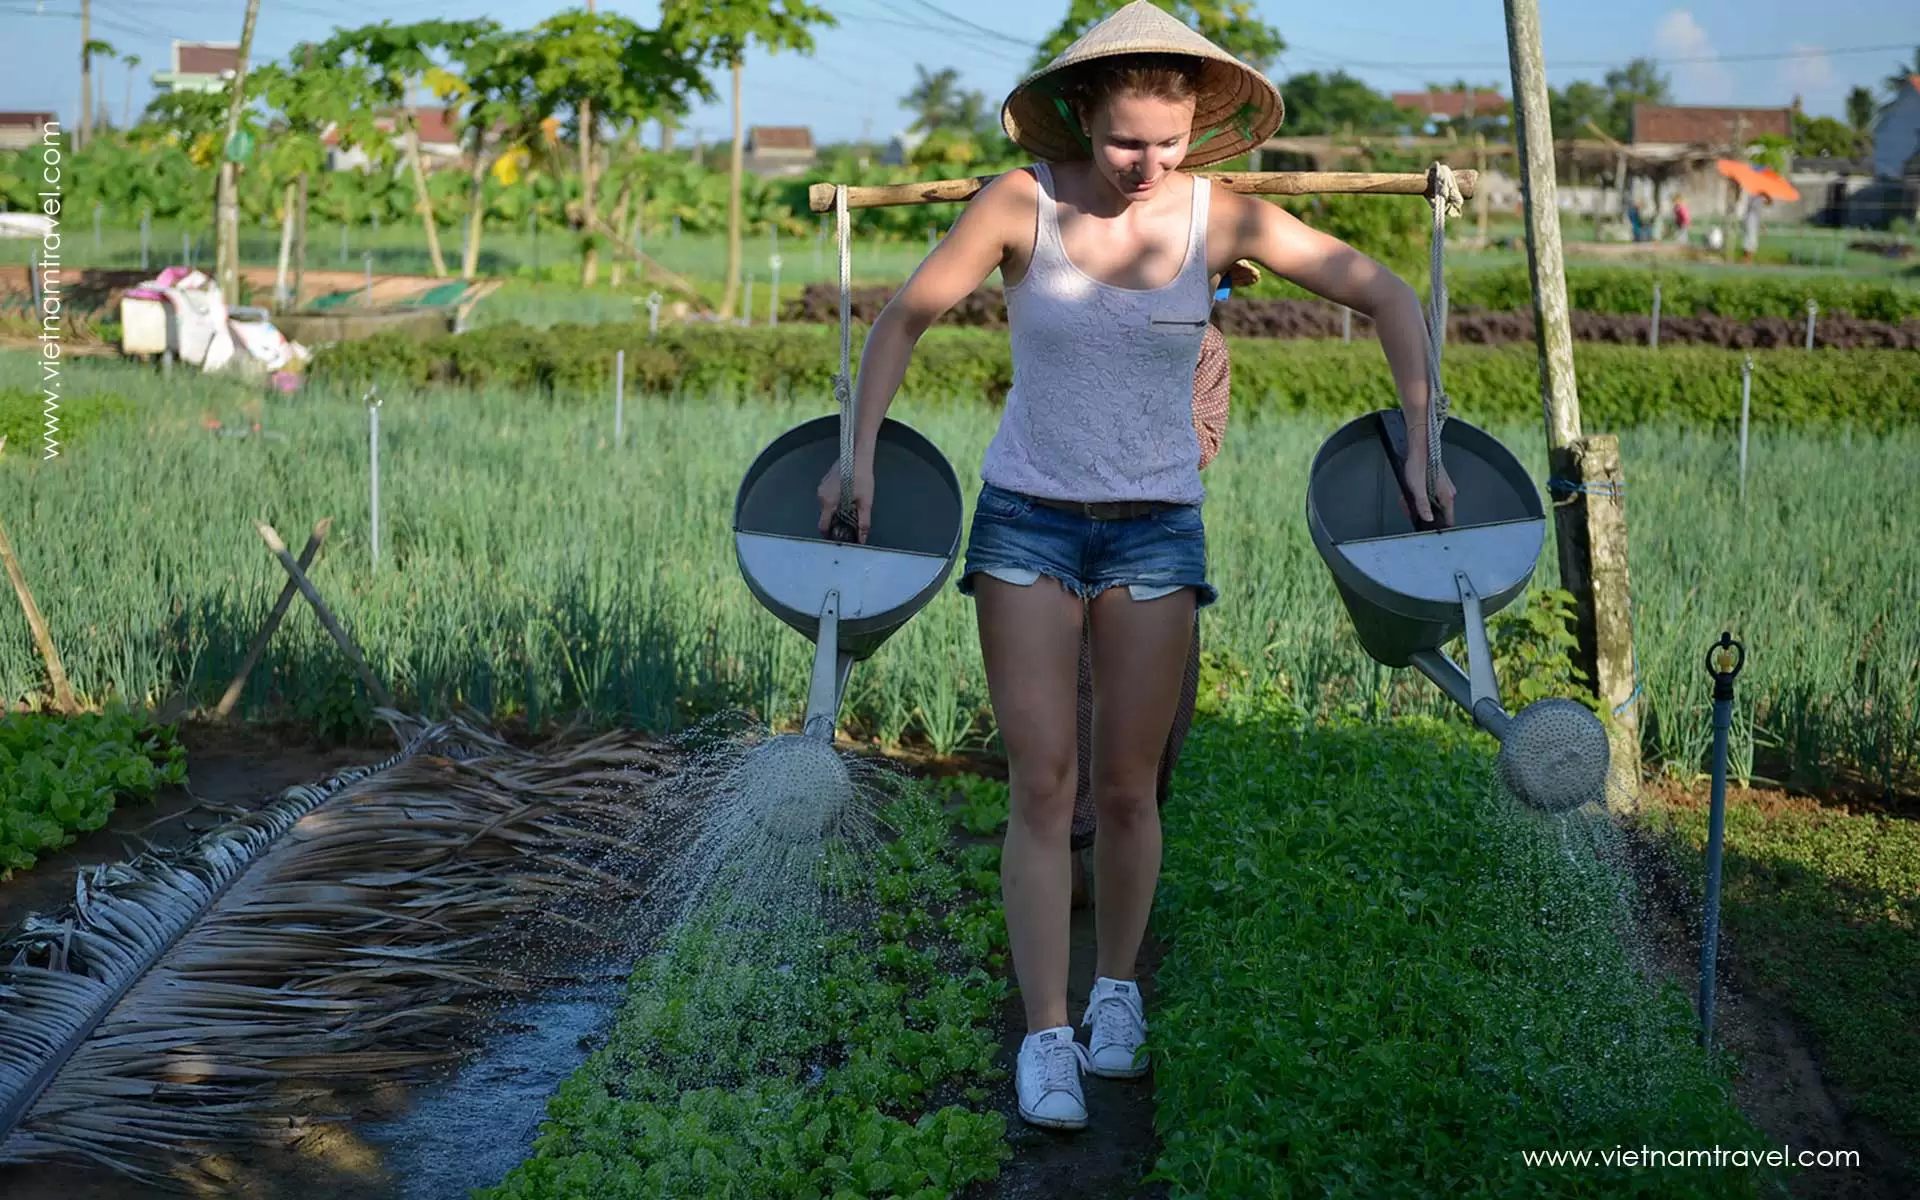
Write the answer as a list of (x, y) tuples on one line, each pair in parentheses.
[(1639, 82), (1322, 104), (392, 56), (190, 120), (309, 100), (1571, 109), (720, 31), (1819, 137), (1771, 151), (1232, 25), (1902, 77), (1862, 108), (601, 68)]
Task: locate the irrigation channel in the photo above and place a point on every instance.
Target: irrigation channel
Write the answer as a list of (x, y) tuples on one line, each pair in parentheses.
[(456, 924)]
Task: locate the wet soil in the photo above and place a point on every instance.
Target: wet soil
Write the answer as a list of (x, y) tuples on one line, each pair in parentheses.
[(1781, 1084), (355, 1154)]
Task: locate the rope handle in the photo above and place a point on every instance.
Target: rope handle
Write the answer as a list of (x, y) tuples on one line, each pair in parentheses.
[(845, 524), (1443, 192)]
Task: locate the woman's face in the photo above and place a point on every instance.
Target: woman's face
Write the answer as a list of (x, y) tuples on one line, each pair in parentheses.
[(1138, 140)]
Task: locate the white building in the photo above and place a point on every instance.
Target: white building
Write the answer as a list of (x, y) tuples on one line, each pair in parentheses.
[(199, 67)]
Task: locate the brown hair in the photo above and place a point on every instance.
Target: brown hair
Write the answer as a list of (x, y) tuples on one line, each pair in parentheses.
[(1155, 76)]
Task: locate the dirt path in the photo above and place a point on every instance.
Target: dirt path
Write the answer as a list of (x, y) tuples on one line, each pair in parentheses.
[(1781, 1086)]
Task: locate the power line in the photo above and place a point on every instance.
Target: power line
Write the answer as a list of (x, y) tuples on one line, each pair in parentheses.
[(1504, 64), (992, 33)]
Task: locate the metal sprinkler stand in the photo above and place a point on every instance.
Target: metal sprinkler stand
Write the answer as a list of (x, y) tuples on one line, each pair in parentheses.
[(1723, 671)]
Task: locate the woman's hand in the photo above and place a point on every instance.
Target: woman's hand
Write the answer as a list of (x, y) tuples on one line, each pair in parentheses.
[(1415, 473), (829, 496)]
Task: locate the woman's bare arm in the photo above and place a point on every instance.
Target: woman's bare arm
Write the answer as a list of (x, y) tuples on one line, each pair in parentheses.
[(1327, 266), (975, 246), (978, 243)]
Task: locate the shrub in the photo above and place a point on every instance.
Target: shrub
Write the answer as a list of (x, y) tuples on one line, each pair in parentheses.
[(1620, 386)]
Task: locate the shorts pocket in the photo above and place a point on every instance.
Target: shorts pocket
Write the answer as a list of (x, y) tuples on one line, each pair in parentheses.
[(998, 504), (1183, 521)]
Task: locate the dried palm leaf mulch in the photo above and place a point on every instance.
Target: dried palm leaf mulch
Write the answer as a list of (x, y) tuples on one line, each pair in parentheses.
[(350, 931)]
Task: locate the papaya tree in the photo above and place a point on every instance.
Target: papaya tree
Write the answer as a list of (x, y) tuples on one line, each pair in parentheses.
[(722, 31), (393, 57), (601, 69)]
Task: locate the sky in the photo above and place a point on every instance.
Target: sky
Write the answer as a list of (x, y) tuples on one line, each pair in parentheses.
[(1716, 51)]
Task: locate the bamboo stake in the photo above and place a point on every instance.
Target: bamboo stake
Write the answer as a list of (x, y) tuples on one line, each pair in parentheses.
[(1254, 183), (320, 609), (63, 700), (272, 623)]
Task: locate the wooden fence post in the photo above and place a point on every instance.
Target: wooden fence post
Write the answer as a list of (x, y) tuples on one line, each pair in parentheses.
[(63, 700), (1589, 506)]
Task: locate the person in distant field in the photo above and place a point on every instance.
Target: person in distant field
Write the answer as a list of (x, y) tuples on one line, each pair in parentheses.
[(1682, 220), (1212, 382), (1750, 225)]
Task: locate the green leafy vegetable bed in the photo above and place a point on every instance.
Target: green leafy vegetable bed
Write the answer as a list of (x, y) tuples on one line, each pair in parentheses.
[(860, 1069), (1384, 980), (62, 775)]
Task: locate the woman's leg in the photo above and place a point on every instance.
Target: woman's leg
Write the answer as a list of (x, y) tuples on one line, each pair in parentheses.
[(1140, 650), (1030, 642)]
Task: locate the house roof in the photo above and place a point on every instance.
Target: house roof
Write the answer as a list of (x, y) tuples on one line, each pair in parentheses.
[(438, 127), (205, 58), (1697, 125), (1452, 103), (780, 137), (17, 120)]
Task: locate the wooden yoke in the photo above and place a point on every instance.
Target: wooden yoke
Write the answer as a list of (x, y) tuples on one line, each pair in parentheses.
[(1253, 183)]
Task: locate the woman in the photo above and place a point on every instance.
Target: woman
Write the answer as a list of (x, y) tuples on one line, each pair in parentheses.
[(1091, 485), (1212, 388)]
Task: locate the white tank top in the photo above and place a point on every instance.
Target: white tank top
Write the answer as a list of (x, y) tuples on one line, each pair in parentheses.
[(1101, 406)]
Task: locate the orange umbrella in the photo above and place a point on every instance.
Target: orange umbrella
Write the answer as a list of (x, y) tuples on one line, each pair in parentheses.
[(1758, 180)]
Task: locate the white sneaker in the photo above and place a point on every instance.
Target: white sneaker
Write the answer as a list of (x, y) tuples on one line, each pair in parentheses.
[(1047, 1080), (1119, 1027)]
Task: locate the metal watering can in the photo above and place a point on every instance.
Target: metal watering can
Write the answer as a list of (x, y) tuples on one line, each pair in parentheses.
[(847, 597), (1408, 592)]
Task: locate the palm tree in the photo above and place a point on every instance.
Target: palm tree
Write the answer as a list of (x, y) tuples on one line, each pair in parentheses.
[(934, 100), (1903, 76), (126, 112)]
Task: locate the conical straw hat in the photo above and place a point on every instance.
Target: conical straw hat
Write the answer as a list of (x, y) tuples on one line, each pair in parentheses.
[(1236, 110)]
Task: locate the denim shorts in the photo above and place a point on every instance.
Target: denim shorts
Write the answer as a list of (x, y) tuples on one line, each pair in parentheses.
[(1015, 539)]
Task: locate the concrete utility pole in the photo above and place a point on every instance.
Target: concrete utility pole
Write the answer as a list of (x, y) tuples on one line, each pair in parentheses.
[(226, 266), (1589, 504), (84, 134)]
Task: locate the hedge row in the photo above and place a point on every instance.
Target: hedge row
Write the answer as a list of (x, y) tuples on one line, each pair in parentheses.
[(1620, 386), (986, 309), (1683, 293)]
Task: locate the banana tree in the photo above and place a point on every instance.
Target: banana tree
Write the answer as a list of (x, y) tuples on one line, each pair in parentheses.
[(721, 31), (393, 56)]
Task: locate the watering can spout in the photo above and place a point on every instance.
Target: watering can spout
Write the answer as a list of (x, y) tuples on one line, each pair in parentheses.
[(847, 597), (1410, 591)]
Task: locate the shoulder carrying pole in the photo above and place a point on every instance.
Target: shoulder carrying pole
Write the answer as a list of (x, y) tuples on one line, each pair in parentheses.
[(820, 196)]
